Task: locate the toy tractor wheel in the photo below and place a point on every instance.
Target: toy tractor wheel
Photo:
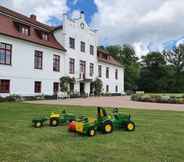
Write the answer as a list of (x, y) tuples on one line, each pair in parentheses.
[(54, 122), (38, 124), (91, 132), (130, 126), (107, 127)]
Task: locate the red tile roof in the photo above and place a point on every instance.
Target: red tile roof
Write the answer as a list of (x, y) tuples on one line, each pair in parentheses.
[(104, 56), (8, 18)]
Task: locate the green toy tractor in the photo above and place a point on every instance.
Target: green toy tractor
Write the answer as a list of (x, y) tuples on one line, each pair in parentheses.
[(104, 123), (54, 119)]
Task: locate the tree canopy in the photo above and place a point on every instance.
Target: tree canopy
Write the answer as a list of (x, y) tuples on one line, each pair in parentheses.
[(154, 72)]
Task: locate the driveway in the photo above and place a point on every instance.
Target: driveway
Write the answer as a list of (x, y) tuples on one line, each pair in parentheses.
[(120, 101)]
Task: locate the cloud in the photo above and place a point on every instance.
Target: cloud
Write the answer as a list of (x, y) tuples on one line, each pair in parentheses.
[(75, 14), (139, 22), (44, 9)]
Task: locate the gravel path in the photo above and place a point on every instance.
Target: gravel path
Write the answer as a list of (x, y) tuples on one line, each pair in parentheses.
[(120, 101)]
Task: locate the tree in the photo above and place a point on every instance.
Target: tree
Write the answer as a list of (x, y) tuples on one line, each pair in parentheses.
[(97, 87), (176, 57), (65, 82), (153, 73), (127, 57)]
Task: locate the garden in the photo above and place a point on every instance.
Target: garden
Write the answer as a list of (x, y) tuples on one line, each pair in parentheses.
[(158, 137)]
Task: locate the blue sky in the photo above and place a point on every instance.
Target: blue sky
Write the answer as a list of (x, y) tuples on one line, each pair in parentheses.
[(88, 6)]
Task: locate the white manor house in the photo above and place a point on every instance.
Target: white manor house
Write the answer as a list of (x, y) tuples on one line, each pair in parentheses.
[(34, 56)]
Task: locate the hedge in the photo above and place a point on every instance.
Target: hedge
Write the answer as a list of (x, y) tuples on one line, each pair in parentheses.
[(158, 98)]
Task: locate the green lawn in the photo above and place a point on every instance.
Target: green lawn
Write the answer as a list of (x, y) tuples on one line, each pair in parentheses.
[(159, 137)]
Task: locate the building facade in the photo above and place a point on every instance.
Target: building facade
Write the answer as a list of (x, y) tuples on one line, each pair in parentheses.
[(34, 56)]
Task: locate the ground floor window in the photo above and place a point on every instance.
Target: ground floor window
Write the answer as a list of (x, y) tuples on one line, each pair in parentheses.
[(107, 88), (4, 86), (37, 87), (116, 89), (56, 87)]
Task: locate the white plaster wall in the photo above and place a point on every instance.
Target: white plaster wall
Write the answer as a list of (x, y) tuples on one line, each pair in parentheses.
[(111, 81), (22, 74), (72, 28)]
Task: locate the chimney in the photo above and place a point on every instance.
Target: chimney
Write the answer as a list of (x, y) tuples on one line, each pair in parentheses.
[(33, 17), (82, 16)]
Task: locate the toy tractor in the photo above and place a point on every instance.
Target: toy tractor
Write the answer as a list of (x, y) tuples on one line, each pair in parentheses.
[(54, 119), (104, 123)]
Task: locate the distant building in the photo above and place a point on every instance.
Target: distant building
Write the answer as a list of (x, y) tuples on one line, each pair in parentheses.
[(34, 56)]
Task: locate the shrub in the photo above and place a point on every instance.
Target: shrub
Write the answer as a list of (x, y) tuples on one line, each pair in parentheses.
[(11, 98), (158, 98)]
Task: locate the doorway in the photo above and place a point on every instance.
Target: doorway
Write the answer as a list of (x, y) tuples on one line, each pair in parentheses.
[(82, 88)]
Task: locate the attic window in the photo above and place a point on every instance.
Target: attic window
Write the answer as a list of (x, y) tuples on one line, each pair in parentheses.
[(45, 36), (104, 56), (24, 29)]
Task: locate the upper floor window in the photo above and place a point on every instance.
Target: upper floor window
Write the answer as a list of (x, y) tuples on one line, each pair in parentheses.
[(38, 60), (72, 66), (91, 69), (72, 42), (45, 36), (4, 86), (116, 74), (91, 50), (37, 87), (99, 70), (56, 63), (82, 69), (82, 46), (5, 53), (107, 72), (82, 66)]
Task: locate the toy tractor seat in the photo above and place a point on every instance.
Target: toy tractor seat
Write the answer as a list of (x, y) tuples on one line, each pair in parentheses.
[(101, 112)]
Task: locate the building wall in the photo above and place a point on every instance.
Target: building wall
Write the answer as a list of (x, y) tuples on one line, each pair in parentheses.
[(22, 74), (72, 28), (111, 81)]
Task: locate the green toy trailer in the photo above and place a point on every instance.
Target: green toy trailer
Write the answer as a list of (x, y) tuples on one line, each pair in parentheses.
[(104, 123), (54, 119)]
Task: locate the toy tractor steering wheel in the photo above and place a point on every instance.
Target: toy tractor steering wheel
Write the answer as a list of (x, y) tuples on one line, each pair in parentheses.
[(115, 110)]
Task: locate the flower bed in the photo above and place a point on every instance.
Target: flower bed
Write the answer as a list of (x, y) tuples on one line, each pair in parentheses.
[(173, 99)]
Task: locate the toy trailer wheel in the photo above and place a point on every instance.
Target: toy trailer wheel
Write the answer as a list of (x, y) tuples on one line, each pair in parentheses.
[(54, 122), (107, 127), (91, 132), (38, 124), (130, 126)]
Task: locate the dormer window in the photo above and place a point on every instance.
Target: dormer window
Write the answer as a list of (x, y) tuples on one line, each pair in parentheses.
[(23, 29), (45, 36), (104, 56)]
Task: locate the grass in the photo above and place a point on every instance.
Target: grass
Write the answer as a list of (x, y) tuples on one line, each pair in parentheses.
[(159, 137)]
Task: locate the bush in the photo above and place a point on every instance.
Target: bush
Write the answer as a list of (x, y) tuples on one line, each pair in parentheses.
[(11, 98), (158, 98)]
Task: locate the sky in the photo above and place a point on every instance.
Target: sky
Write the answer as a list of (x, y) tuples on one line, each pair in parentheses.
[(148, 25)]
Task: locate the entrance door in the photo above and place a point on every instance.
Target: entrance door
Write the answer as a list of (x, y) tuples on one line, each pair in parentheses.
[(82, 87)]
